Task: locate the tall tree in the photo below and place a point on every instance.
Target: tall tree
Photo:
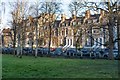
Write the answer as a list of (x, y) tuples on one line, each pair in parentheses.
[(18, 12), (35, 12), (75, 7), (109, 7), (51, 9), (118, 27)]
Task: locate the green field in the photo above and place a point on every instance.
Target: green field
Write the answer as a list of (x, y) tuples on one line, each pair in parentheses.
[(44, 67)]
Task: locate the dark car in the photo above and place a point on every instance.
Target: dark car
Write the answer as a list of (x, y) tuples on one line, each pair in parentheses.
[(45, 51), (40, 52), (28, 51), (25, 51), (98, 52), (87, 52), (7, 50), (71, 52), (58, 51), (115, 54)]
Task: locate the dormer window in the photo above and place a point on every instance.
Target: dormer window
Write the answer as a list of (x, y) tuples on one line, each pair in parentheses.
[(66, 31), (45, 27), (60, 25), (95, 20), (89, 21), (63, 24), (55, 24), (79, 23), (74, 23), (68, 23)]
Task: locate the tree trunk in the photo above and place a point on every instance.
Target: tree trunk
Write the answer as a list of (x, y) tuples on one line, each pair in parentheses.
[(91, 41), (2, 40), (22, 39), (49, 39), (14, 41), (18, 47), (119, 42), (76, 46), (118, 35), (36, 50), (111, 44)]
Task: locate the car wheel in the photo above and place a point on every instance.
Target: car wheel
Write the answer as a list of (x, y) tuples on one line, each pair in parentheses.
[(105, 56)]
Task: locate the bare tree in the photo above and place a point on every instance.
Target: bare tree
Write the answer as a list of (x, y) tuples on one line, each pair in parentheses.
[(75, 7), (18, 11), (51, 9), (35, 12), (75, 10), (109, 7), (42, 13)]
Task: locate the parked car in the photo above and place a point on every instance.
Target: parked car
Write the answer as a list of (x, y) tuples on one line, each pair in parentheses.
[(4, 51), (58, 51), (52, 49), (7, 50), (45, 51), (71, 52), (87, 52), (25, 51), (40, 53), (98, 52), (115, 54), (28, 51)]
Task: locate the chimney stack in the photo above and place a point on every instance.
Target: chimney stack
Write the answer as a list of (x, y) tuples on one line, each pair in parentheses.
[(102, 12), (73, 16), (63, 17), (88, 13)]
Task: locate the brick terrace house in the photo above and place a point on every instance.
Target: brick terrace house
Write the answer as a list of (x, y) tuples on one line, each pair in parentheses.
[(7, 37), (85, 31)]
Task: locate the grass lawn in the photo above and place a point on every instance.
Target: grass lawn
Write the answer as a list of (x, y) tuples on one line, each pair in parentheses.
[(44, 67)]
